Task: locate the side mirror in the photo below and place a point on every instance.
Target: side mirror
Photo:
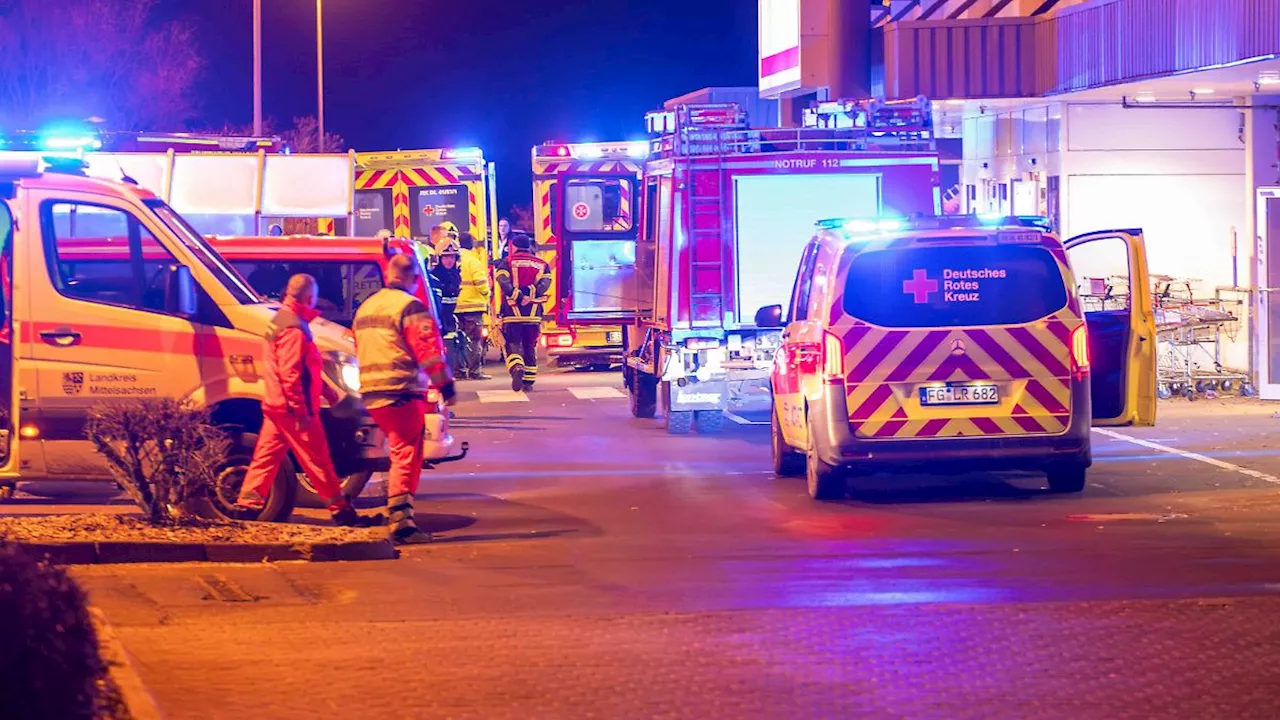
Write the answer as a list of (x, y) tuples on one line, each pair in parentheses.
[(769, 316), (180, 291)]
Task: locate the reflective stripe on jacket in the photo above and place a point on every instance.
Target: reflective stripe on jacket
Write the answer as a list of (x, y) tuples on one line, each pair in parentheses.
[(399, 348)]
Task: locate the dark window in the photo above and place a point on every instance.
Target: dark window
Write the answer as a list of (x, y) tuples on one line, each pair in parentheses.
[(954, 286), (803, 285), (105, 255), (343, 286), (599, 205)]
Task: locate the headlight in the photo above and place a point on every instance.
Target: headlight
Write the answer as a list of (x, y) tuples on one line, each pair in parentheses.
[(349, 373)]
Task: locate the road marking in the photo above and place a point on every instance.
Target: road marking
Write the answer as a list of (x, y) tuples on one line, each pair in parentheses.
[(596, 393), (1109, 517), (743, 421), (501, 396), (1220, 464)]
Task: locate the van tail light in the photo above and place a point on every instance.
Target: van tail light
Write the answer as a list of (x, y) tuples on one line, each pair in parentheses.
[(1080, 351), (560, 339), (832, 359)]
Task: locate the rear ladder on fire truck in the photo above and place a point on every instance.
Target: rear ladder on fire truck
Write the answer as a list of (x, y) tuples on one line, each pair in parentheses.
[(705, 212)]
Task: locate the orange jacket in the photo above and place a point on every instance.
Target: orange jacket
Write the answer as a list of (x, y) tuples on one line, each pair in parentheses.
[(295, 374)]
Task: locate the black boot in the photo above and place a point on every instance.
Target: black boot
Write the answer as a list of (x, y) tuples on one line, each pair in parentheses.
[(346, 516), (404, 531)]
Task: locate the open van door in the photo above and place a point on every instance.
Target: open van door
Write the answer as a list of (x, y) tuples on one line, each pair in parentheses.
[(598, 229), (1110, 270), (9, 463)]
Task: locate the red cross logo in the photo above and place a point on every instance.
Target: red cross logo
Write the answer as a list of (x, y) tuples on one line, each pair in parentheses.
[(920, 286)]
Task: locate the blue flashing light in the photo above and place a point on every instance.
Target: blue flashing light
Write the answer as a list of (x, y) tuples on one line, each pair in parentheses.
[(862, 225), (463, 153), (588, 152), (638, 149)]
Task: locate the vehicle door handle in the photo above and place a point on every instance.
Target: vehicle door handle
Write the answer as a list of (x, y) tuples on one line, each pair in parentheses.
[(61, 337)]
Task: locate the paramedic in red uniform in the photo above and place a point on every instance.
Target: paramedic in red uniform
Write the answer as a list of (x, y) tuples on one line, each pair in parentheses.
[(525, 280), (401, 353), (291, 411)]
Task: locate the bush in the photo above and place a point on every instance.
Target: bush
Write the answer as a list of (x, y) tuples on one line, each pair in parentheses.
[(163, 452), (49, 661)]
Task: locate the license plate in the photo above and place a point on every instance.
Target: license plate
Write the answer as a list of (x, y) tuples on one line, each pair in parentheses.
[(960, 395), (613, 338)]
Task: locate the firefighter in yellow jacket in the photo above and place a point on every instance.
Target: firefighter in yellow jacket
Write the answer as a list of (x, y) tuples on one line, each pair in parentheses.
[(473, 303), (525, 280), (401, 354)]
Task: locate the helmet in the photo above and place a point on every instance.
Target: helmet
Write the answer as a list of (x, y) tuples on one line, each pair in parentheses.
[(449, 228), (383, 234), (451, 249)]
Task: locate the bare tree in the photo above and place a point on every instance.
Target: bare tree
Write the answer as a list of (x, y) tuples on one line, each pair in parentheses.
[(73, 59), (302, 137)]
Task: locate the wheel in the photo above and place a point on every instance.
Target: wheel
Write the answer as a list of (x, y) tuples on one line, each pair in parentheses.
[(1227, 385), (1189, 394), (1246, 389), (826, 482), (284, 490), (709, 422), (786, 461), (643, 394), (679, 422), (1203, 386), (352, 486), (1163, 392), (1067, 479), (600, 367)]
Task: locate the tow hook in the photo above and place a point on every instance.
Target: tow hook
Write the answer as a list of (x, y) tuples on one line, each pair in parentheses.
[(428, 464)]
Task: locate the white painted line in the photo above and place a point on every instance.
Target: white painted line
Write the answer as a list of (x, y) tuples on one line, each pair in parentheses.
[(1220, 464), (596, 393), (741, 420), (501, 396)]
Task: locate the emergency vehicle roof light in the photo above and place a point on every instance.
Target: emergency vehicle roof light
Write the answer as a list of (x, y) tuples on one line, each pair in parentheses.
[(934, 222), (16, 168), (562, 151), (463, 153)]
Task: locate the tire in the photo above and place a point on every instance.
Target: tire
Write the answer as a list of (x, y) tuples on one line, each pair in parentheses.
[(643, 394), (786, 461), (352, 486), (826, 482), (679, 422), (284, 491), (1163, 392), (709, 422), (1067, 479)]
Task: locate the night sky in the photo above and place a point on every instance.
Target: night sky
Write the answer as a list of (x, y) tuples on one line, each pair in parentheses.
[(500, 74)]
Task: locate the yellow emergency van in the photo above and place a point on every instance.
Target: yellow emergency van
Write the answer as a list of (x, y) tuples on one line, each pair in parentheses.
[(959, 343)]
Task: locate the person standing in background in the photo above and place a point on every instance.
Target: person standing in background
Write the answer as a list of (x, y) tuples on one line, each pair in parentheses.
[(473, 303)]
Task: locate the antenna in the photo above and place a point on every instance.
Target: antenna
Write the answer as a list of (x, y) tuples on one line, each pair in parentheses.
[(124, 176)]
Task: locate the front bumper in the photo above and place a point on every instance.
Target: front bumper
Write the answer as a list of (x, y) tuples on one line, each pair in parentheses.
[(582, 356), (356, 443), (837, 445)]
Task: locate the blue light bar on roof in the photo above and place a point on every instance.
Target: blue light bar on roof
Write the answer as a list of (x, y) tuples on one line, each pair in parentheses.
[(934, 222)]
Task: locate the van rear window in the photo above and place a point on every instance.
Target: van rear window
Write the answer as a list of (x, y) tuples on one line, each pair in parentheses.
[(954, 286)]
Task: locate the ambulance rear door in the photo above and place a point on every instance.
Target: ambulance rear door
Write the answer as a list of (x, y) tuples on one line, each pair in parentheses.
[(9, 461), (1110, 270), (596, 215)]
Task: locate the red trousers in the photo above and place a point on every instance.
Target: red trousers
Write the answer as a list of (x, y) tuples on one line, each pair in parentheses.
[(405, 430), (281, 434)]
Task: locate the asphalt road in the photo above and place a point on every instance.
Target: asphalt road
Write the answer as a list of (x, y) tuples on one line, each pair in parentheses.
[(591, 566)]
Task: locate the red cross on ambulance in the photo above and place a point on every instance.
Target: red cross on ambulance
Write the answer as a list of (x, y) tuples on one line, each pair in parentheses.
[(921, 286)]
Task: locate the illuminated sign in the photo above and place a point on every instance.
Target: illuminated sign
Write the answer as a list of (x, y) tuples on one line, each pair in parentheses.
[(779, 46)]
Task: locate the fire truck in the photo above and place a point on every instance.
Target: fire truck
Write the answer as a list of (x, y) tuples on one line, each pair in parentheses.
[(585, 227), (727, 211)]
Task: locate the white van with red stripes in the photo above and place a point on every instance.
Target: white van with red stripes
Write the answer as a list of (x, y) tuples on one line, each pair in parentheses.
[(959, 343), (111, 295)]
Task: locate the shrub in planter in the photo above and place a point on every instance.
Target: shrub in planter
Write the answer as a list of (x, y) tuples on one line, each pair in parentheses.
[(49, 662), (163, 452)]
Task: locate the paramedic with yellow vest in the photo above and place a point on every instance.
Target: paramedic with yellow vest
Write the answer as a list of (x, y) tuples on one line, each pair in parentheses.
[(401, 353), (473, 303)]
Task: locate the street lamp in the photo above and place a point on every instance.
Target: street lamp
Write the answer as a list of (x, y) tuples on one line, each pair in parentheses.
[(320, 74)]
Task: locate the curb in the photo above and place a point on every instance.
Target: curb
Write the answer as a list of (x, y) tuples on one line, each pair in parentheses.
[(133, 693), (106, 553)]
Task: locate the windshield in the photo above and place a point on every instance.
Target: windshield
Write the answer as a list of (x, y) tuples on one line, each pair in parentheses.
[(954, 286), (212, 261)]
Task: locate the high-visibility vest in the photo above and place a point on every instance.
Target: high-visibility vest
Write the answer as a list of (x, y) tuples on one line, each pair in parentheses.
[(387, 364)]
